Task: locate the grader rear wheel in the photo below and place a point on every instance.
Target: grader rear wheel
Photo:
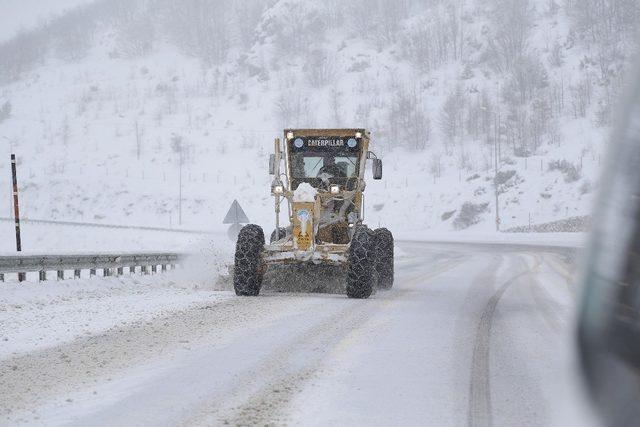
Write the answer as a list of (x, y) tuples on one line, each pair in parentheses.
[(384, 257)]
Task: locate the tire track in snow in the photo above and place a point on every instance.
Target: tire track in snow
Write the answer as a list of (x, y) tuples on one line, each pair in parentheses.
[(479, 412), (267, 407), (552, 312)]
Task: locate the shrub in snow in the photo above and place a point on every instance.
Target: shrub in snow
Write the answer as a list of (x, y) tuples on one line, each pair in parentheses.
[(445, 216), (503, 176), (358, 66), (570, 172), (467, 72), (5, 111), (586, 188), (469, 215), (479, 191)]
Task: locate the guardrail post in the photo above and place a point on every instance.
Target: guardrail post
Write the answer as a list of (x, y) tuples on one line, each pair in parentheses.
[(145, 270), (60, 274), (120, 271), (92, 272), (76, 274), (164, 268), (154, 269), (22, 277), (1, 277), (42, 275), (106, 272), (132, 269)]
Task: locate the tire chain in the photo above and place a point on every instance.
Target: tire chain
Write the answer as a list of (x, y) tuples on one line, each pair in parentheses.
[(361, 266), (384, 257), (247, 276)]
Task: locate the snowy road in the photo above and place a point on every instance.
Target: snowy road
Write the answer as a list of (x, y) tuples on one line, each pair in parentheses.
[(470, 334)]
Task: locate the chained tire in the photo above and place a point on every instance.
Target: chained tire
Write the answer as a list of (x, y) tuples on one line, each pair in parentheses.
[(384, 257), (282, 233), (248, 271), (360, 276)]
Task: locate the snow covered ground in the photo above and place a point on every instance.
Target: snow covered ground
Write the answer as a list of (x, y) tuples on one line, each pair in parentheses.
[(35, 315), (470, 334), (98, 137)]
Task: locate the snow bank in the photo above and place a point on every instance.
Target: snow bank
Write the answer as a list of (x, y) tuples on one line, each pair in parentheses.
[(569, 240), (39, 315)]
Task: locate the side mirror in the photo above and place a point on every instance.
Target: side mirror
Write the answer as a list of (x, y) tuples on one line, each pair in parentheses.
[(272, 164), (377, 169)]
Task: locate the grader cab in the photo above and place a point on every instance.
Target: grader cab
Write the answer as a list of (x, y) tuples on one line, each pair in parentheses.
[(319, 178)]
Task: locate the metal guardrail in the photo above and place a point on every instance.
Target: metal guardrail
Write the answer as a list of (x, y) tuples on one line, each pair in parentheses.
[(110, 264)]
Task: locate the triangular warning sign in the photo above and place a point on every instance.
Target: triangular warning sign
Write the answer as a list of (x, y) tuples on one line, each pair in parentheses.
[(235, 215)]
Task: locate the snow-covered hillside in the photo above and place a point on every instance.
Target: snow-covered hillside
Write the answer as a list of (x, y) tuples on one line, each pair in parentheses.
[(103, 105)]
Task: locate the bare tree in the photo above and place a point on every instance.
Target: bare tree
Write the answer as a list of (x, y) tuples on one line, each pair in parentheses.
[(451, 118), (320, 67), (508, 38)]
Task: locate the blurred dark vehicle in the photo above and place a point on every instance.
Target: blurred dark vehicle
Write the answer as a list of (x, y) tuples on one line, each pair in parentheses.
[(609, 318)]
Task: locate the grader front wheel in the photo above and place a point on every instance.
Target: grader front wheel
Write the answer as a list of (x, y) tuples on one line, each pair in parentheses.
[(361, 267), (247, 275)]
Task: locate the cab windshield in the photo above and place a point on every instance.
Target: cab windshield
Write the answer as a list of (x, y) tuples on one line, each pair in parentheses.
[(312, 166), (322, 161)]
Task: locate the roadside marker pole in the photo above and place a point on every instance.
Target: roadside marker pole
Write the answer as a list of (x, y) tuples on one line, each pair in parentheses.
[(16, 211)]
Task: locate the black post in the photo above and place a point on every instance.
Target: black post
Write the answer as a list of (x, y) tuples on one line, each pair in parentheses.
[(16, 207), (16, 211)]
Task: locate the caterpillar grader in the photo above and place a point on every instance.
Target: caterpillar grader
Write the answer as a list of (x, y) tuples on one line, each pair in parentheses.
[(318, 174)]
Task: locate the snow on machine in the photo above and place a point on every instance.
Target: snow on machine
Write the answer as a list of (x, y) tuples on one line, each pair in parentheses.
[(323, 188)]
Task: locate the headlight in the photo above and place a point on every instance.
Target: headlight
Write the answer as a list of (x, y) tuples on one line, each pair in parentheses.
[(289, 135), (335, 189), (358, 135), (278, 189)]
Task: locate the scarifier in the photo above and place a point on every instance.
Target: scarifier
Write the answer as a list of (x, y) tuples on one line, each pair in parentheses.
[(323, 188)]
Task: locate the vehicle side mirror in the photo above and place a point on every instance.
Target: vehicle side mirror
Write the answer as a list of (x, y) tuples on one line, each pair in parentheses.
[(272, 164), (377, 169)]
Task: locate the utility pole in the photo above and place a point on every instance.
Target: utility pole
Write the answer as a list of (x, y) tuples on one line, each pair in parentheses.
[(495, 176), (496, 154), (180, 192), (178, 147)]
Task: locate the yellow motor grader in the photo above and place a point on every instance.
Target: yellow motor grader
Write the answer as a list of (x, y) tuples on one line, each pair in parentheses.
[(319, 176)]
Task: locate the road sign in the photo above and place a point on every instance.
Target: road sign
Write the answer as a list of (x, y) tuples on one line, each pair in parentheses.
[(233, 232), (235, 215)]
